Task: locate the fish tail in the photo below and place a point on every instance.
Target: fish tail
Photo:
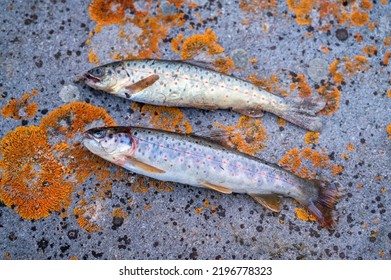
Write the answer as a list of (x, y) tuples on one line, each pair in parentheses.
[(322, 201), (302, 112)]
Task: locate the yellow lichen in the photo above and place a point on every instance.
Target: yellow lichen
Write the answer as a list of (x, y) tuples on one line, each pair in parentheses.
[(311, 137), (21, 109)]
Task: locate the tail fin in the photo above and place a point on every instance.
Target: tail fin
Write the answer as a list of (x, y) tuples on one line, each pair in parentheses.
[(301, 112), (322, 205)]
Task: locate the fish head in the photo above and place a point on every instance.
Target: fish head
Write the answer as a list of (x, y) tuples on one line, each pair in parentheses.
[(110, 143), (105, 78)]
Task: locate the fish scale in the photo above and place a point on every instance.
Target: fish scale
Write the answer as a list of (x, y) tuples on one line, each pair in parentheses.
[(191, 84), (199, 162)]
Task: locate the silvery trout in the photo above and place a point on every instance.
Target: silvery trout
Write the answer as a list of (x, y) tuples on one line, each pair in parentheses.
[(198, 162), (191, 84)]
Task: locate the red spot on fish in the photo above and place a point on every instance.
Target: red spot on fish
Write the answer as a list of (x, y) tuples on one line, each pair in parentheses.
[(165, 156), (263, 174), (209, 157)]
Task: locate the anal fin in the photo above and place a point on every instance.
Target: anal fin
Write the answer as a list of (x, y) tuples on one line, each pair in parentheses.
[(251, 112), (143, 166), (142, 84), (270, 201), (216, 187)]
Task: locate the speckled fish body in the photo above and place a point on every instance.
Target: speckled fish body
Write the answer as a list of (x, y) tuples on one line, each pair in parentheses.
[(197, 162), (183, 84)]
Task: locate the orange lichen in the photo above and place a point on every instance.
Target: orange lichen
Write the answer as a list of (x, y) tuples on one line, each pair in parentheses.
[(119, 212), (366, 5), (255, 6), (177, 42), (34, 179), (295, 161), (361, 59), (311, 137), (39, 176), (206, 203), (84, 215), (177, 3), (198, 211), (20, 109), (302, 8), (165, 118), (369, 50), (270, 84), (93, 58), (201, 43), (300, 83), (359, 18), (350, 147), (324, 49), (333, 69), (358, 37), (106, 12), (304, 215), (386, 58), (387, 41), (388, 129), (332, 97), (248, 136), (389, 93), (224, 65), (360, 186), (281, 122)]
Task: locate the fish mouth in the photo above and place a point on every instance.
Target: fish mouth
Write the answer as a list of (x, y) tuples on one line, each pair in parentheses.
[(89, 78)]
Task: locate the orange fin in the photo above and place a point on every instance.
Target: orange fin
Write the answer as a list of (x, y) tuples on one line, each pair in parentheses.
[(270, 201), (253, 112), (216, 188), (142, 84), (143, 166)]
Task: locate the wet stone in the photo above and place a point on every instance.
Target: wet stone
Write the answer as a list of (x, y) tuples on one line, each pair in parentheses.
[(318, 69), (342, 34), (239, 57), (69, 93)]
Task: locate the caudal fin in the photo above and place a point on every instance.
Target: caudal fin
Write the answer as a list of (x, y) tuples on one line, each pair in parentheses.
[(302, 112), (322, 204)]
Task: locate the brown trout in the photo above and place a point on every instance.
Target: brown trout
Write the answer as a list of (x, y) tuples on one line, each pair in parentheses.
[(189, 84), (198, 162)]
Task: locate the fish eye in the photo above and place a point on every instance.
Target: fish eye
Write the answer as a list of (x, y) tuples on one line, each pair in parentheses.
[(99, 134), (97, 72)]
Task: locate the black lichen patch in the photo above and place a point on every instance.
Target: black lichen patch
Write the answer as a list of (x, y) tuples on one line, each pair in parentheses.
[(342, 34), (117, 222), (73, 234), (193, 255), (124, 242), (97, 255), (43, 244), (12, 236)]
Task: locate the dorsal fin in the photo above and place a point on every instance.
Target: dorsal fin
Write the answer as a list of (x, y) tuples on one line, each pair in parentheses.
[(217, 135), (203, 64), (270, 201)]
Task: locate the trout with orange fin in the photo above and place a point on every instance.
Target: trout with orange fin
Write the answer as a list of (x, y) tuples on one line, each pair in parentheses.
[(198, 162), (193, 84)]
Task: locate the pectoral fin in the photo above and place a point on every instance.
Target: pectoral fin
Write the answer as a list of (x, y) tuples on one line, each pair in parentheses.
[(251, 112), (270, 201), (143, 166), (142, 84), (216, 188)]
